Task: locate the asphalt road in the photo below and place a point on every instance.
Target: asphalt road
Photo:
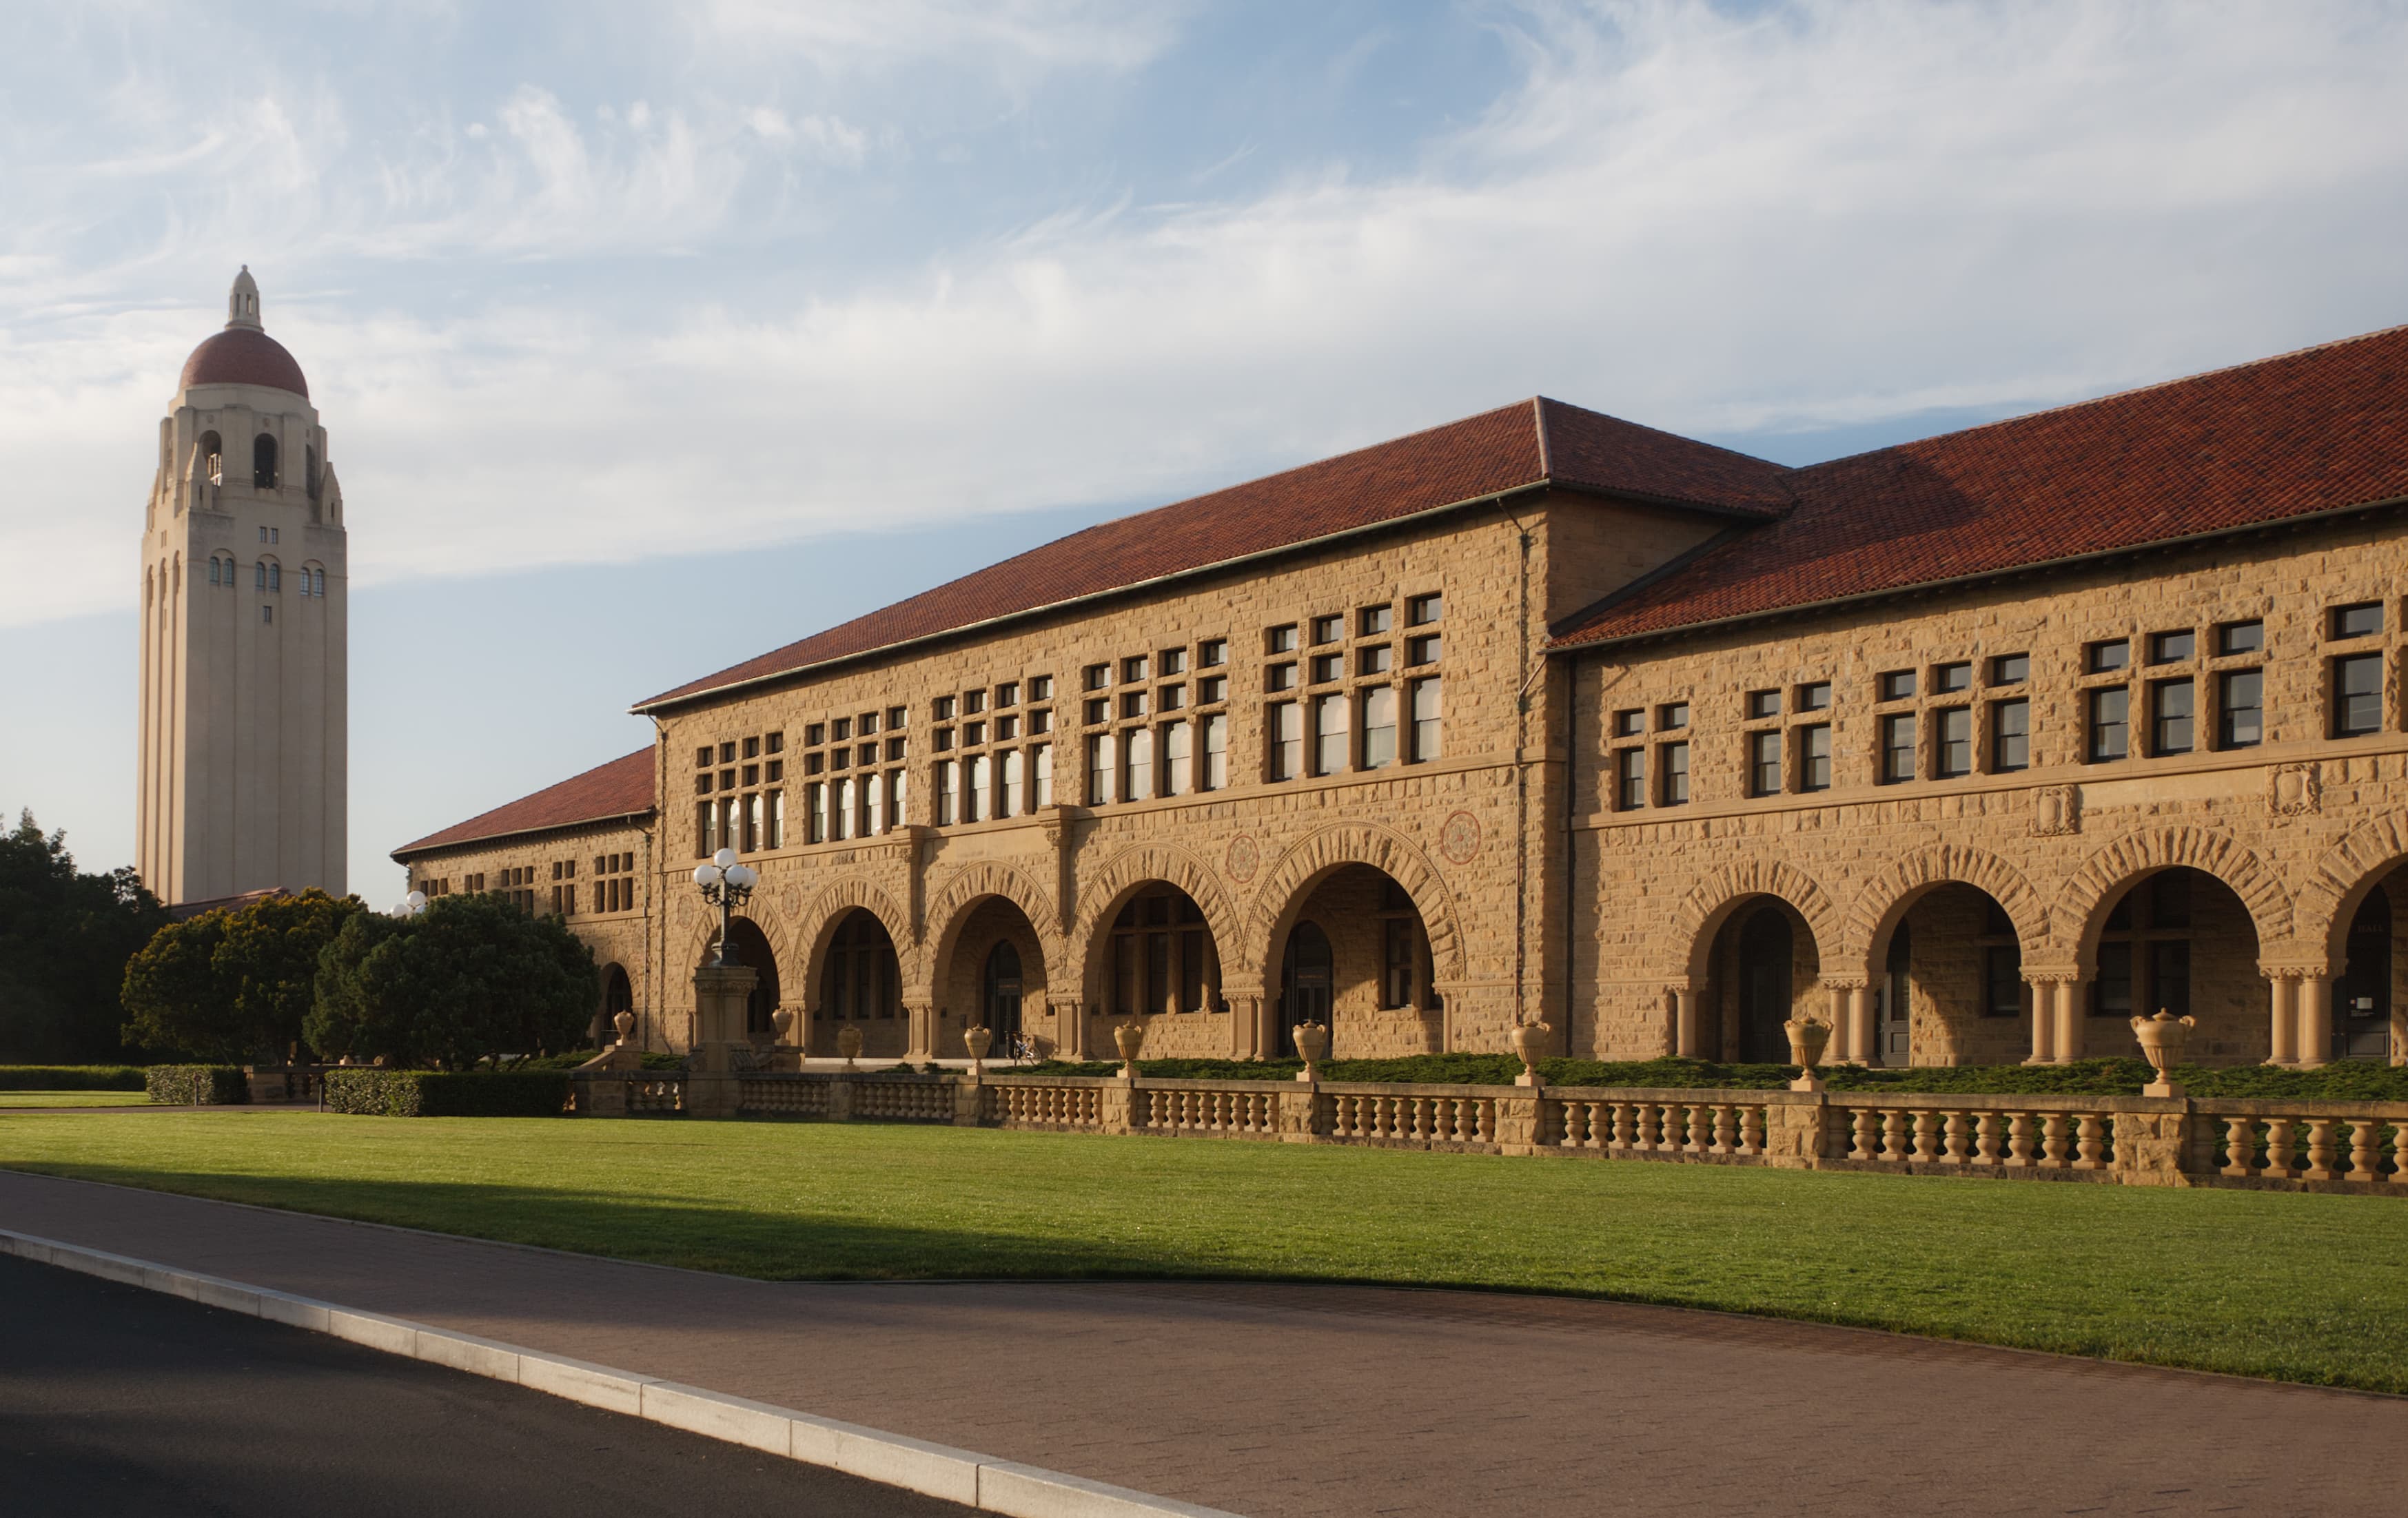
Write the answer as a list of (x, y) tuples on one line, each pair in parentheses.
[(119, 1401)]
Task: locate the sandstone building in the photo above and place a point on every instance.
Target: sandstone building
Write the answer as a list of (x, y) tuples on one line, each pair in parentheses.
[(244, 594), (1974, 746)]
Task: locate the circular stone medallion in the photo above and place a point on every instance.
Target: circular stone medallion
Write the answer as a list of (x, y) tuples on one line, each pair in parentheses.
[(1242, 858), (1459, 839)]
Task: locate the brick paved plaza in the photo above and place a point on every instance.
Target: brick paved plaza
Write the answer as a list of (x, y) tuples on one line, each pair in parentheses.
[(1288, 1400)]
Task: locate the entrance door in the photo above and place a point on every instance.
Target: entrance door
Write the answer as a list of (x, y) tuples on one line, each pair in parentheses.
[(1304, 981), (1893, 1003), (2361, 998), (1765, 950), (1003, 995)]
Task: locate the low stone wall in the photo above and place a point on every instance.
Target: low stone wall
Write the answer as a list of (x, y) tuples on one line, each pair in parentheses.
[(2311, 1145)]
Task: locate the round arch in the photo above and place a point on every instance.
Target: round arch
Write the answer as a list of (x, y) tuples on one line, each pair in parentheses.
[(1702, 913), (951, 910), (1280, 899), (1885, 900), (2342, 879), (1130, 871), (2084, 902), (816, 926)]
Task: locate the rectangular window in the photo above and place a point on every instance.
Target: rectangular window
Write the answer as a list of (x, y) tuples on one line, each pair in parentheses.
[(973, 734), (2010, 735), (1174, 662), (869, 807), (1328, 629), (1326, 668), (1426, 697), (1280, 639), (1423, 650), (1006, 729), (754, 817), (815, 812), (1895, 684), (2110, 654), (2002, 981), (2170, 976), (1137, 764), (1039, 722), (1763, 704), (1424, 609), (1100, 710), (1166, 699), (1950, 678), (1133, 668), (1216, 754), (777, 818), (1373, 660), (841, 810), (1398, 962), (2357, 694), (1210, 654), (2110, 724), (1671, 716), (2172, 648), (972, 701), (1329, 735), (1279, 678), (2241, 638), (1372, 620), (1040, 765), (1629, 780), (1379, 728), (1764, 763), (1953, 753), (1132, 704), (948, 801), (2010, 670), (841, 729), (898, 790), (2171, 710), (1101, 768), (1098, 676), (978, 788), (1286, 731), (1672, 770), (1816, 697), (1630, 724), (1011, 796), (1814, 757), (704, 844), (1177, 759), (2110, 994), (1897, 748), (2363, 620), (1212, 690), (2240, 709), (1008, 694)]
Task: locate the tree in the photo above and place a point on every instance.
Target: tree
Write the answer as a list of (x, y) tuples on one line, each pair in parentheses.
[(64, 940), (472, 978), (236, 983)]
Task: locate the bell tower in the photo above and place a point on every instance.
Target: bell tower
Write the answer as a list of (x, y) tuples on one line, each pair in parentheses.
[(245, 589)]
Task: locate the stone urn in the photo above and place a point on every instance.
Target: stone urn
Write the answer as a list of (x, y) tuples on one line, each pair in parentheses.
[(781, 1023), (848, 1043), (2162, 1040), (977, 1040), (625, 1023), (1808, 1037), (1131, 1037), (1530, 1042), (1312, 1047)]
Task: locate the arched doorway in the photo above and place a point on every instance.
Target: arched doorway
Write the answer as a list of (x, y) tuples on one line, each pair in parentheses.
[(2178, 940), (2361, 998), (1163, 956), (1767, 955), (748, 946), (1948, 985), (618, 995), (1000, 1001), (861, 985), (1306, 976)]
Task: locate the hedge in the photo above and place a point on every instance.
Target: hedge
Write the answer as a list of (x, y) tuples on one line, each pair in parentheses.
[(197, 1085), (71, 1078), (654, 1060), (374, 1092)]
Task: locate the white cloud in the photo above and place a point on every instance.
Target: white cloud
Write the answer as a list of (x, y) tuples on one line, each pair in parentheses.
[(1810, 216)]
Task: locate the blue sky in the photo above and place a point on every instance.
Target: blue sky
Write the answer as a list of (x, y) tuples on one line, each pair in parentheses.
[(652, 337)]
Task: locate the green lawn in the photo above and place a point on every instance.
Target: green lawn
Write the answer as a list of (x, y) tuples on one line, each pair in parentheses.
[(73, 1098), (2300, 1287)]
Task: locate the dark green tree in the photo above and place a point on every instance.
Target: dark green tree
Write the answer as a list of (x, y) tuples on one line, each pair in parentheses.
[(235, 984), (470, 978), (64, 940)]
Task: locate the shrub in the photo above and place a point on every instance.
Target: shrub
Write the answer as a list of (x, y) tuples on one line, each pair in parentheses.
[(197, 1085), (471, 978), (71, 1078), (376, 1093), (234, 983)]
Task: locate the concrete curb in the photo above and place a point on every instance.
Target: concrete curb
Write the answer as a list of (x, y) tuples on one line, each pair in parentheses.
[(977, 1481)]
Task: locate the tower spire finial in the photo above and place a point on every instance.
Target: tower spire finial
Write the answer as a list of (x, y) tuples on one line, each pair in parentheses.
[(242, 301)]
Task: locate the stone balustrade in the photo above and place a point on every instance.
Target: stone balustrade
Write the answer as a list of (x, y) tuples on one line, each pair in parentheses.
[(2131, 1140)]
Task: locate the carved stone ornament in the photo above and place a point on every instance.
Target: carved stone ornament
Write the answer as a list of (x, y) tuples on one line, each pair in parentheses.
[(2294, 790), (2057, 811), (1242, 858), (1459, 839)]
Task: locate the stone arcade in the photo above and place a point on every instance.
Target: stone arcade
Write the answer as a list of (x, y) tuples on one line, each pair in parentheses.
[(1972, 747)]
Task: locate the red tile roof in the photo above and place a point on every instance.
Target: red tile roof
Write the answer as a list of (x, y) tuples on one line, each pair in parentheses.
[(243, 356), (1516, 447), (2318, 430), (621, 788)]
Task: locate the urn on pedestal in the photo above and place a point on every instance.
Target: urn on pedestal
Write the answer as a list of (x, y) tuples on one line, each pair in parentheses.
[(1530, 1042), (977, 1040), (1131, 1037), (848, 1043), (1808, 1037), (1311, 1046)]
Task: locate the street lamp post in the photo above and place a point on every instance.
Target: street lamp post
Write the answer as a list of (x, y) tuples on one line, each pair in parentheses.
[(411, 905), (726, 885)]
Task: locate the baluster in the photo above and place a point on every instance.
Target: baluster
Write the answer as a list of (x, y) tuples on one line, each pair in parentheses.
[(2089, 1142), (2322, 1151), (1894, 1135), (1860, 1135), (1626, 1128), (1725, 1130), (1956, 1146), (1426, 1118), (2052, 1142), (1985, 1140), (1927, 1137), (2282, 1150), (2400, 1153), (2019, 1141), (2364, 1160), (1642, 1128), (1750, 1130), (2240, 1145), (1463, 1120)]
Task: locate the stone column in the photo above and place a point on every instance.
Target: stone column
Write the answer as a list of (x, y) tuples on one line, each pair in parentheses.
[(2068, 1021), (1071, 1018), (2316, 1020), (921, 1046), (1685, 1022), (1266, 1031), (1246, 1027), (2283, 1021), (2043, 1022), (1861, 1024), (720, 993)]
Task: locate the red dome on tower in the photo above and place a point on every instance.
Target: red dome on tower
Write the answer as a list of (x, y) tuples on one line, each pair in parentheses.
[(243, 354)]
